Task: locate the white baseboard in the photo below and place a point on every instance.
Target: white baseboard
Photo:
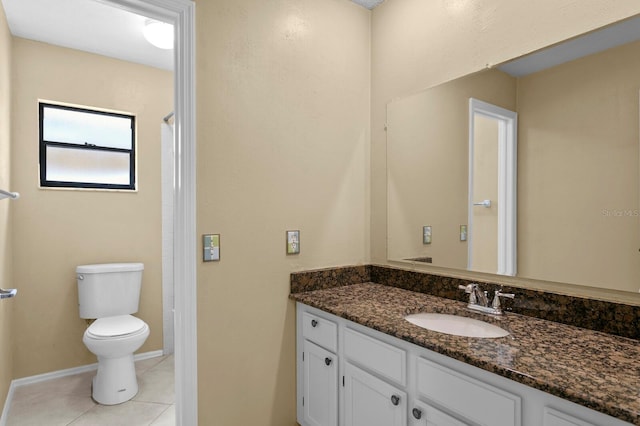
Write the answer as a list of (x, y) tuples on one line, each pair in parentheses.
[(57, 374)]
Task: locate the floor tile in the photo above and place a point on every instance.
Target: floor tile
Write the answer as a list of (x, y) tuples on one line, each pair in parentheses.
[(67, 400), (48, 409), (77, 384), (168, 418), (146, 364), (131, 413), (157, 383)]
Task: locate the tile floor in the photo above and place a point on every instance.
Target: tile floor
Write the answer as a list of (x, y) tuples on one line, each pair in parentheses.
[(67, 400)]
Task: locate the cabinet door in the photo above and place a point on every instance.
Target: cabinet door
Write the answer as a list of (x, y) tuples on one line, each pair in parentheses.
[(425, 415), (467, 397), (369, 401), (556, 418), (320, 403)]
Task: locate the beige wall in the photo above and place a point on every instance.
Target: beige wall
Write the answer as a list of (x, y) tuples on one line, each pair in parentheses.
[(417, 44), (428, 164), (6, 277), (578, 171), (56, 230), (283, 132)]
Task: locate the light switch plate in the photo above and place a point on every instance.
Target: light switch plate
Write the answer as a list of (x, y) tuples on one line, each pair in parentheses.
[(293, 242), (211, 247), (426, 235), (463, 232)]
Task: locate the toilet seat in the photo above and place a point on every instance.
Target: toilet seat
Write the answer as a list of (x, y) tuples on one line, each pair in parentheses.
[(118, 326)]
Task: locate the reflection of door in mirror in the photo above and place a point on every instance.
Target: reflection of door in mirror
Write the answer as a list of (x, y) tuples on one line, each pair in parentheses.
[(484, 253), (492, 189)]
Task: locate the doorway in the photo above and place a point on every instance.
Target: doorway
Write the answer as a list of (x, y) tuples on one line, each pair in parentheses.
[(492, 189), (181, 13)]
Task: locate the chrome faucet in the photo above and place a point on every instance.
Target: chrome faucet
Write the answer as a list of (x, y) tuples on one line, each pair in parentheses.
[(479, 301)]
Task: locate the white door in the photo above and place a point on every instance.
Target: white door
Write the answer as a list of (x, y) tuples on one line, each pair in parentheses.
[(369, 401), (425, 415), (491, 227), (320, 401)]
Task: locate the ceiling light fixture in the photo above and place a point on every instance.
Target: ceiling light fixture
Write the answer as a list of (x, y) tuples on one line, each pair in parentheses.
[(159, 34)]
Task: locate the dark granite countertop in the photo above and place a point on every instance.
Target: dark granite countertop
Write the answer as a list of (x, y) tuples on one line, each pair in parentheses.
[(593, 369)]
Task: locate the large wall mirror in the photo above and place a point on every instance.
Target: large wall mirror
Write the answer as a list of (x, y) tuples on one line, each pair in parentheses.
[(577, 174)]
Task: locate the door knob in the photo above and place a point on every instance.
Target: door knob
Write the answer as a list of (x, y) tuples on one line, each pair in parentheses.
[(483, 203)]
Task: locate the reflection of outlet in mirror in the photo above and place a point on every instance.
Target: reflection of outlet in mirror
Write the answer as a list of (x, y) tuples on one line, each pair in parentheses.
[(211, 247), (426, 235)]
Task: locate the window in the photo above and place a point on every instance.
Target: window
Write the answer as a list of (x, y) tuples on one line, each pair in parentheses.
[(84, 148)]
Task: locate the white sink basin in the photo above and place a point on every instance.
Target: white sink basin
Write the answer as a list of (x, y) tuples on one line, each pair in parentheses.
[(458, 326)]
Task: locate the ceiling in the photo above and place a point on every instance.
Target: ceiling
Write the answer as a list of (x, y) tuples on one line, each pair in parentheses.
[(85, 25), (587, 44)]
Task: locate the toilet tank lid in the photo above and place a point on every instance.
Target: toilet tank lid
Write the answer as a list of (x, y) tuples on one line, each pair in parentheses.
[(100, 268)]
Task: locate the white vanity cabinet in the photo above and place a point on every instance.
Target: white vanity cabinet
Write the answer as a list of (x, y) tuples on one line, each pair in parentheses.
[(351, 375), (370, 401), (318, 397), (374, 379)]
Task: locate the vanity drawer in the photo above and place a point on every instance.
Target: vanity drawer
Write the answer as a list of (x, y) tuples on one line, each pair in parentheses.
[(376, 356), (467, 397), (320, 331), (556, 418)]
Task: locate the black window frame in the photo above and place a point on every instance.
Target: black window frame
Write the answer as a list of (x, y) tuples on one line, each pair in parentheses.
[(90, 147)]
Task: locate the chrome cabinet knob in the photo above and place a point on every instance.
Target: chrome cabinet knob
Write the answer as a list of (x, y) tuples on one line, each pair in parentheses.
[(395, 399)]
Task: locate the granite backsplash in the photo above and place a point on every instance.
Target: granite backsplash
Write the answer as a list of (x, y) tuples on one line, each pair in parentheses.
[(608, 317)]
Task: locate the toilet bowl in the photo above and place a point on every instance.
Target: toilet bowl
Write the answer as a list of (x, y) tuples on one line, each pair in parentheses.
[(111, 293), (113, 340)]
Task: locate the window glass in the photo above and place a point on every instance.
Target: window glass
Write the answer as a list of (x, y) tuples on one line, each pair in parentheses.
[(81, 165), (80, 127), (84, 148)]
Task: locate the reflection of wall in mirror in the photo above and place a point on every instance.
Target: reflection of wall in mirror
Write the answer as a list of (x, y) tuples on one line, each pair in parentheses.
[(578, 158), (427, 157), (578, 171)]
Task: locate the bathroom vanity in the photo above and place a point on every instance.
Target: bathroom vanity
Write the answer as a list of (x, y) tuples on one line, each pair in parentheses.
[(361, 363)]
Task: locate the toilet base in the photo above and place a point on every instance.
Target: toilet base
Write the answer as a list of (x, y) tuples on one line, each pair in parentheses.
[(116, 381)]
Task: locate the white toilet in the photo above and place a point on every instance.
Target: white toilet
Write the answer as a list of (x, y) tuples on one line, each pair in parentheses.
[(110, 293)]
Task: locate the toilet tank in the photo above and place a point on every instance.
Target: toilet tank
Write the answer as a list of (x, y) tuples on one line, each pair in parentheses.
[(109, 289)]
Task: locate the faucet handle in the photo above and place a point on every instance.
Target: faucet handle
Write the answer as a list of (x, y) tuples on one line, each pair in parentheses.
[(470, 289), (498, 295), (467, 288)]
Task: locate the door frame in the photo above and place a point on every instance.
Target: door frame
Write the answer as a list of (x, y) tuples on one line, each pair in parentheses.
[(181, 13), (507, 183)]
